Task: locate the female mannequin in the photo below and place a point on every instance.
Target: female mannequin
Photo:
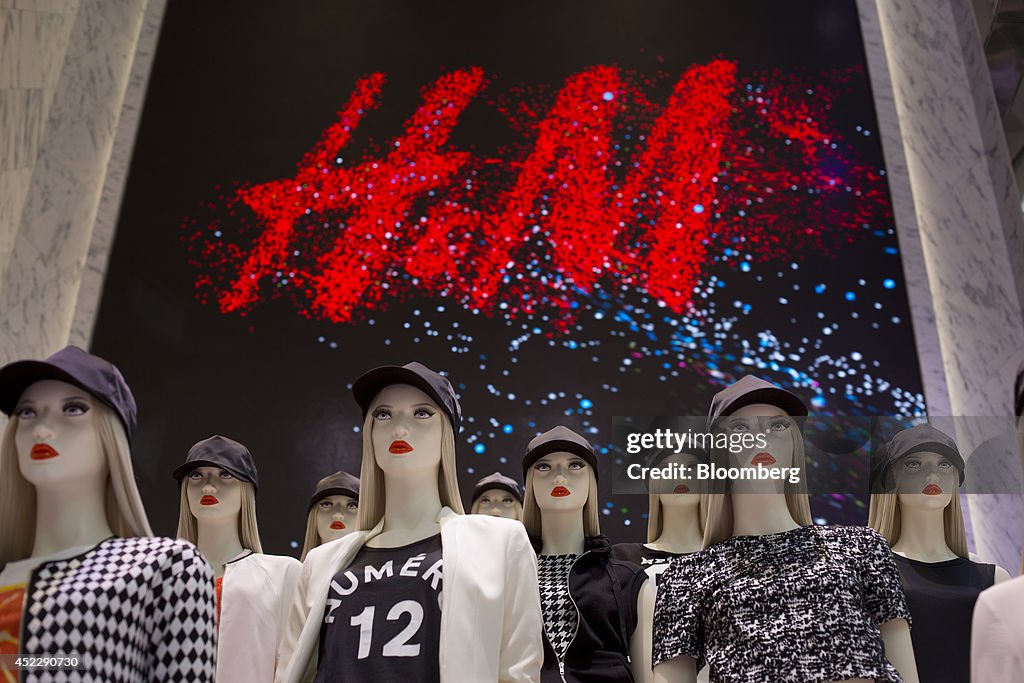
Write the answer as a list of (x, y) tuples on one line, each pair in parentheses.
[(499, 496), (370, 604), (218, 483), (764, 567), (589, 598), (78, 563), (915, 505), (675, 527), (332, 510)]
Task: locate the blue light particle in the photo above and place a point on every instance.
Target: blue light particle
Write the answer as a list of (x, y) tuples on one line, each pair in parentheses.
[(608, 96), (820, 289), (479, 448), (889, 283), (586, 404), (698, 208), (850, 296), (507, 429)]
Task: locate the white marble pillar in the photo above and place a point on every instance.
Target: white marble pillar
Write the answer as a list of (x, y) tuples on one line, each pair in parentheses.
[(967, 214), (79, 59)]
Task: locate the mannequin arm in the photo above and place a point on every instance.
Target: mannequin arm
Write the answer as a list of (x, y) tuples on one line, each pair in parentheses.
[(1002, 574), (899, 649), (681, 669), (640, 642)]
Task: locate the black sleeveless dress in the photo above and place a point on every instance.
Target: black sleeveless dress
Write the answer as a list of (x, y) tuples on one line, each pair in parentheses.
[(941, 597)]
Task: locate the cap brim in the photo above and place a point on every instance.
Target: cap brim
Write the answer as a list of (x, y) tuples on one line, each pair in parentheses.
[(928, 446), (181, 470), (16, 377), (556, 446), (320, 495), (504, 487), (366, 388), (780, 398)]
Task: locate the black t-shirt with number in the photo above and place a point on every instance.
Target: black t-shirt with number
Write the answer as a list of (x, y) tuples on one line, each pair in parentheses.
[(382, 622)]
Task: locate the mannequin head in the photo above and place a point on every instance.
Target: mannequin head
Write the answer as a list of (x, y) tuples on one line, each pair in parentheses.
[(333, 510), (45, 403), (218, 487), (669, 498), (406, 433), (920, 470), (499, 496), (753, 401), (560, 469)]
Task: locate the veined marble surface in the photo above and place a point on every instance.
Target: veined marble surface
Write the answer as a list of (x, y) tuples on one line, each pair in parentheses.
[(961, 182)]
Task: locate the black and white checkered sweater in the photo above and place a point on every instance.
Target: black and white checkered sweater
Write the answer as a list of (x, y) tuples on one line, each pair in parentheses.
[(133, 609)]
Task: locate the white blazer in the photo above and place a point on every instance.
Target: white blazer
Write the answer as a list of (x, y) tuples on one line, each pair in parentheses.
[(491, 622), (254, 603)]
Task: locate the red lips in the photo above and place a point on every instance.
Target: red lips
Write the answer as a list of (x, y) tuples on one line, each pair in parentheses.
[(399, 447), (682, 488), (338, 525), (932, 490), (42, 451), (560, 492), (763, 458), (208, 500)]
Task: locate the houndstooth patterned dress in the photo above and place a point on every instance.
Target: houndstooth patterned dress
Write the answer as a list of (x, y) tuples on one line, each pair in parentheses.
[(560, 618), (132, 609)]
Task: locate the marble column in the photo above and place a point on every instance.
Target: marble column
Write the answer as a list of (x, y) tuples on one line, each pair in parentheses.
[(968, 219)]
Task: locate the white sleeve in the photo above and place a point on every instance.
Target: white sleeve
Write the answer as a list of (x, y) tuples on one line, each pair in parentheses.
[(997, 646), (522, 648)]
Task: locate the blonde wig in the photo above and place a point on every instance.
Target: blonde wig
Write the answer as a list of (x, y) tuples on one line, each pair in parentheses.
[(591, 509), (655, 525), (884, 517), (126, 515), (372, 493), (312, 539), (475, 509), (718, 524), (248, 529)]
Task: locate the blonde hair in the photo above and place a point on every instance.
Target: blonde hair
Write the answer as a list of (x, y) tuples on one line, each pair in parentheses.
[(885, 517), (475, 508), (312, 539), (718, 525), (126, 515), (591, 509), (248, 529), (372, 493), (655, 526)]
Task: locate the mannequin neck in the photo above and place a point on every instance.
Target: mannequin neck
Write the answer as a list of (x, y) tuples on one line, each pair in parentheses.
[(758, 514), (680, 530), (411, 508), (922, 536), (218, 542), (561, 532), (69, 516)]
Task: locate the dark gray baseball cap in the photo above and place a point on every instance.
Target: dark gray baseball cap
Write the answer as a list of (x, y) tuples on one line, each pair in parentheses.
[(72, 365), (497, 481), (434, 385), (917, 439), (749, 390), (1018, 391), (559, 439), (337, 484), (220, 451)]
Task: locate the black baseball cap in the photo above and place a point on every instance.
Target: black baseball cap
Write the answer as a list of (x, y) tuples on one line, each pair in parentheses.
[(917, 439), (749, 390), (414, 374), (220, 451), (559, 439), (1018, 391), (337, 484), (71, 364), (497, 481)]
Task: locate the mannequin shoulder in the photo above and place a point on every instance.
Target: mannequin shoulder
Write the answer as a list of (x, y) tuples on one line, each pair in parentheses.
[(278, 563), (488, 531), (153, 548), (851, 537), (1006, 598)]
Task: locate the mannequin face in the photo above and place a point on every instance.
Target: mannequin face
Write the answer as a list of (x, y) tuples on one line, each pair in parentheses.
[(774, 423), (336, 516), (56, 436), (683, 492), (407, 427), (497, 503), (561, 482), (926, 481), (213, 494)]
